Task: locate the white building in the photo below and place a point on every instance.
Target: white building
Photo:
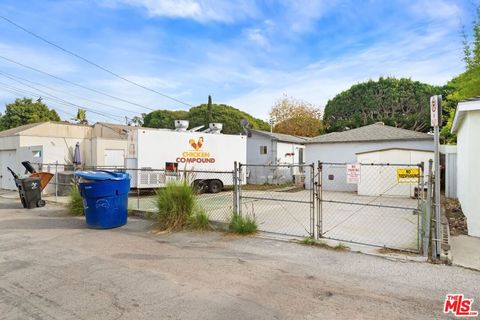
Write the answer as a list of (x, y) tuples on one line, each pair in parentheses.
[(342, 147), (267, 148), (54, 143), (466, 125)]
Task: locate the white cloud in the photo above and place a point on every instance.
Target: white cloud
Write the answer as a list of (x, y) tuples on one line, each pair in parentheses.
[(436, 10), (427, 58), (199, 10), (257, 36)]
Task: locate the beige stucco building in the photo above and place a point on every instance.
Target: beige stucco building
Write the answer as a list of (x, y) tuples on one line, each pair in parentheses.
[(50, 143)]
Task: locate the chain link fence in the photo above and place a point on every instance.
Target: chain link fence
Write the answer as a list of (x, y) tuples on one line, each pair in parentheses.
[(373, 204), (277, 197), (215, 188)]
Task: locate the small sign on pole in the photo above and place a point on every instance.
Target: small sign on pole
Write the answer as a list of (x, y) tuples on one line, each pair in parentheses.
[(353, 173), (435, 111)]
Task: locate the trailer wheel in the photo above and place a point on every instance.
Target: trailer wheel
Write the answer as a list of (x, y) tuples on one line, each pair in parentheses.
[(200, 186), (215, 186)]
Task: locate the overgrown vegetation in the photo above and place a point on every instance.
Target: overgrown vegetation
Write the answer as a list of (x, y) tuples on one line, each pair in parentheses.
[(242, 224), (310, 241), (175, 205), (75, 202), (177, 208)]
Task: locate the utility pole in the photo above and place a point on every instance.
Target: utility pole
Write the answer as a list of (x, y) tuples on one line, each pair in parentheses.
[(436, 122)]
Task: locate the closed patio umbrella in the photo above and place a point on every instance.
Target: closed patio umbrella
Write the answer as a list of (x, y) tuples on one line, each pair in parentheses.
[(76, 155)]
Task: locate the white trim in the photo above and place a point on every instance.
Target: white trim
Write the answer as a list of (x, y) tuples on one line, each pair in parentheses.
[(462, 108)]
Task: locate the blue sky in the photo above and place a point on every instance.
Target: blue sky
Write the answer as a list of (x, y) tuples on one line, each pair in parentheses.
[(244, 53)]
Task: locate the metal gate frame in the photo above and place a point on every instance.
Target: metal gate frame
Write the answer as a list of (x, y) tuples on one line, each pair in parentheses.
[(421, 210), (239, 196)]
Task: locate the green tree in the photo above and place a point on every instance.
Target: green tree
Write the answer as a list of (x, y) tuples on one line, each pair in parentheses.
[(138, 121), (402, 103), (228, 115), (81, 116), (163, 118), (296, 117), (203, 115), (465, 85), (25, 111)]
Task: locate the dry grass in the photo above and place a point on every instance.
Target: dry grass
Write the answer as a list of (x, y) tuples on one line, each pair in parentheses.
[(309, 241)]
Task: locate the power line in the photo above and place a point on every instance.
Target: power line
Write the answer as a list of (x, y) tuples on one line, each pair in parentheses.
[(11, 76), (93, 63), (61, 101), (20, 94), (74, 83)]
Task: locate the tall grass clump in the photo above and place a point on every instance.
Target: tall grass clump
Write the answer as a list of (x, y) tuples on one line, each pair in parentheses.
[(242, 225), (199, 221), (75, 202), (176, 204)]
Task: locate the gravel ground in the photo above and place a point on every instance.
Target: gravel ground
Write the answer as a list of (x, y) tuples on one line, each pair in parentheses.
[(52, 267)]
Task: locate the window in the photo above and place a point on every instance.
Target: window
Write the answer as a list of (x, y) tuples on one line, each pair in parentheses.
[(171, 166), (263, 149)]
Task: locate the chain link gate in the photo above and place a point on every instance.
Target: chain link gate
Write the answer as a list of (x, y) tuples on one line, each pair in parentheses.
[(279, 197), (384, 207)]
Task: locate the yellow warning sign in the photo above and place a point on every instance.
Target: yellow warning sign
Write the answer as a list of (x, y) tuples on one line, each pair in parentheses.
[(408, 175)]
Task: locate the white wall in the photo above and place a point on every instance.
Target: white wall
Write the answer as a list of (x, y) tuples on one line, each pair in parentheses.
[(468, 157), (277, 153), (253, 150)]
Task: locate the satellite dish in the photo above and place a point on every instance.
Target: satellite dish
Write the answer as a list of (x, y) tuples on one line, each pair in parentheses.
[(244, 123)]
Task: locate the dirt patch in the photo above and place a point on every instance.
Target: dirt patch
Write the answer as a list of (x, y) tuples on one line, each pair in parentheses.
[(386, 250), (456, 219)]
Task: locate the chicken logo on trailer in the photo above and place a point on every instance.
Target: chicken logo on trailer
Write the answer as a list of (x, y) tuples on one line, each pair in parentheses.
[(195, 155)]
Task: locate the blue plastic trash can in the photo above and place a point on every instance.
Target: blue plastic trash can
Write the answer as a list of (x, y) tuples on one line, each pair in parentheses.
[(105, 198)]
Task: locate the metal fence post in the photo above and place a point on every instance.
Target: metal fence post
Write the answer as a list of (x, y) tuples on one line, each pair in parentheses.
[(319, 201), (312, 201), (235, 187), (428, 212), (421, 207), (56, 181), (239, 190)]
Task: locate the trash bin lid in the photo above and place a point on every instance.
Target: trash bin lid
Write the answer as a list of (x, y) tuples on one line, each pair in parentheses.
[(102, 175)]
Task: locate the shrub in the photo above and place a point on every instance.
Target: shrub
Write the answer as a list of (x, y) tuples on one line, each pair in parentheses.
[(242, 225), (175, 205), (199, 221), (75, 203)]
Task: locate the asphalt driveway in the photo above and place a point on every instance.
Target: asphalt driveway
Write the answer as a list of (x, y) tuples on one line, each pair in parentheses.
[(52, 267)]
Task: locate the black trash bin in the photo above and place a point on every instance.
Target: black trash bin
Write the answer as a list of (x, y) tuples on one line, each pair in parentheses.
[(30, 192)]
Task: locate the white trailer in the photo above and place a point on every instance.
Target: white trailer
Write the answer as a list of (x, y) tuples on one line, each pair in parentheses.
[(206, 159)]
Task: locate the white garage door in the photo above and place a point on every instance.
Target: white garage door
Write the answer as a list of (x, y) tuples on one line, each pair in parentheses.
[(7, 159), (114, 157)]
